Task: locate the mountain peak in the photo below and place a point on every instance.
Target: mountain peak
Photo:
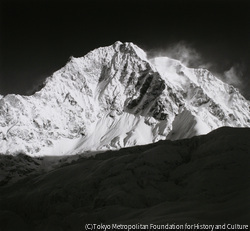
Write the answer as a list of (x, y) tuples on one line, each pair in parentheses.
[(115, 97), (117, 45)]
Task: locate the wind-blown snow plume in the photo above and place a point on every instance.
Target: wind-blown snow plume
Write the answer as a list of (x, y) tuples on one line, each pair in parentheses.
[(182, 51), (234, 75), (188, 55)]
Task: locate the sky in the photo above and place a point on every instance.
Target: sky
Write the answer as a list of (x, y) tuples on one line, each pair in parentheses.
[(38, 37)]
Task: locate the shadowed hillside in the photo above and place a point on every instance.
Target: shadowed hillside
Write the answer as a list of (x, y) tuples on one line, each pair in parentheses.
[(204, 179)]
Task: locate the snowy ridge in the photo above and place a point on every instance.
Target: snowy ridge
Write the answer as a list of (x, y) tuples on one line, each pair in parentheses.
[(211, 102), (115, 97)]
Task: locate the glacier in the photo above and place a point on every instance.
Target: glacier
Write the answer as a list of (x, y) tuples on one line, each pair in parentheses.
[(116, 97)]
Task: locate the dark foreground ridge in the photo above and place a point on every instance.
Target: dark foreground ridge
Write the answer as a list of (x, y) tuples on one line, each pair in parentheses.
[(203, 180)]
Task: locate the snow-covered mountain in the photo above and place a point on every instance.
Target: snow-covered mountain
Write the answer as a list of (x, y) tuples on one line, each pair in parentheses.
[(115, 97)]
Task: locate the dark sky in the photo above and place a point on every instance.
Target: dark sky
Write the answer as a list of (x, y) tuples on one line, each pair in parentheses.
[(38, 37)]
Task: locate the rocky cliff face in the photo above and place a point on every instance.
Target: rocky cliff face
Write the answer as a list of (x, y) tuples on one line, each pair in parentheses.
[(115, 97)]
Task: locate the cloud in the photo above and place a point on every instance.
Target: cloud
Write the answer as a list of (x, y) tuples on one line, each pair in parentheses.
[(185, 53), (182, 51), (39, 84), (234, 75)]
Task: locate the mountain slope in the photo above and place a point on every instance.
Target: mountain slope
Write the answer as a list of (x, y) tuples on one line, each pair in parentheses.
[(115, 97), (202, 180)]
